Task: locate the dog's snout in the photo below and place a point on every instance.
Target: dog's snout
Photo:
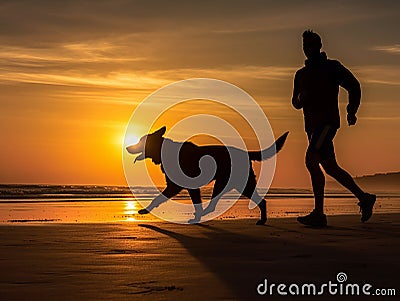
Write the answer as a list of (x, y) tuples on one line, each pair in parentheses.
[(134, 149)]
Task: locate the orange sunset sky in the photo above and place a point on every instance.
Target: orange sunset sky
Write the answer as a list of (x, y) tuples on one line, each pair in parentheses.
[(72, 73)]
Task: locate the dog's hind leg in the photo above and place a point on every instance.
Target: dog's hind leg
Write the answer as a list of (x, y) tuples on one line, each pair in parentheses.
[(198, 208), (250, 192), (261, 203)]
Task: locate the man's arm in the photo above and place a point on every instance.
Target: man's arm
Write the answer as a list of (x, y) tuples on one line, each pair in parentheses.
[(296, 100), (348, 81)]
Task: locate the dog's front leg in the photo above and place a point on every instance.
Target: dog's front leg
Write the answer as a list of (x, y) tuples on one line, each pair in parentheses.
[(198, 208), (168, 192), (157, 201)]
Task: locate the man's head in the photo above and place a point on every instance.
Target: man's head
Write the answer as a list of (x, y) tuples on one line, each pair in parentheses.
[(311, 44), (149, 146)]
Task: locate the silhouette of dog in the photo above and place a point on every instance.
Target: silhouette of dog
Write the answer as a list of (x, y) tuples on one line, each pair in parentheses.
[(229, 165)]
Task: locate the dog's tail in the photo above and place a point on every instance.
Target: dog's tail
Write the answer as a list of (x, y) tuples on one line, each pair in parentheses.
[(270, 151)]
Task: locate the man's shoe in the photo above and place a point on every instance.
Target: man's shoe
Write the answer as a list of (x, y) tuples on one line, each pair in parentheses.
[(366, 204), (313, 219)]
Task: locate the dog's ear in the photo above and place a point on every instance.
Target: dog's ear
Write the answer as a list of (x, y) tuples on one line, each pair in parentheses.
[(160, 131)]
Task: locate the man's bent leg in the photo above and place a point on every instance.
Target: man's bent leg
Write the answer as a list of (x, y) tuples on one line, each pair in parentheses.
[(367, 200), (343, 177)]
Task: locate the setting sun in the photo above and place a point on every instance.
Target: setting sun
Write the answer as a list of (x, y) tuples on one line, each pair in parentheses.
[(130, 140)]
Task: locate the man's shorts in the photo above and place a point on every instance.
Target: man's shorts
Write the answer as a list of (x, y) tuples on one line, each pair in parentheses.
[(320, 140)]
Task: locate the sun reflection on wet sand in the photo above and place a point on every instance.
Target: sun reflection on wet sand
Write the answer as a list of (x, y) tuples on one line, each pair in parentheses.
[(118, 210), (131, 208)]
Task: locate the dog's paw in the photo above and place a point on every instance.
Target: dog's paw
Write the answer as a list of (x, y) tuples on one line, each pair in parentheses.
[(261, 222), (143, 211), (194, 220)]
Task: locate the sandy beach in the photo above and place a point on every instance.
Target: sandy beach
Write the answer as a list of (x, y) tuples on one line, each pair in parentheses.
[(217, 260)]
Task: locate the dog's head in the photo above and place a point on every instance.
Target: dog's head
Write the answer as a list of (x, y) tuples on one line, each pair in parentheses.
[(149, 146)]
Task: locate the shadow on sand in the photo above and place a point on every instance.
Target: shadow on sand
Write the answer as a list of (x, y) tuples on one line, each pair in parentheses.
[(287, 253)]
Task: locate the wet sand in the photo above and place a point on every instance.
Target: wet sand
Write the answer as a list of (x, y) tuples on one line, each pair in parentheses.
[(217, 260)]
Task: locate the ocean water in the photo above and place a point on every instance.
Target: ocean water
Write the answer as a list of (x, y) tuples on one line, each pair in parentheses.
[(97, 204)]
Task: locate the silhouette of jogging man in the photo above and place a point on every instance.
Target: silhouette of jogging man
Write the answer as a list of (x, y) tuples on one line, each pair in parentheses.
[(316, 88)]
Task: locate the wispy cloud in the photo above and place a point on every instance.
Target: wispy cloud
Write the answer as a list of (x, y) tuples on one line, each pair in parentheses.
[(96, 51), (112, 80), (108, 65), (384, 118), (394, 49), (380, 74), (235, 71)]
